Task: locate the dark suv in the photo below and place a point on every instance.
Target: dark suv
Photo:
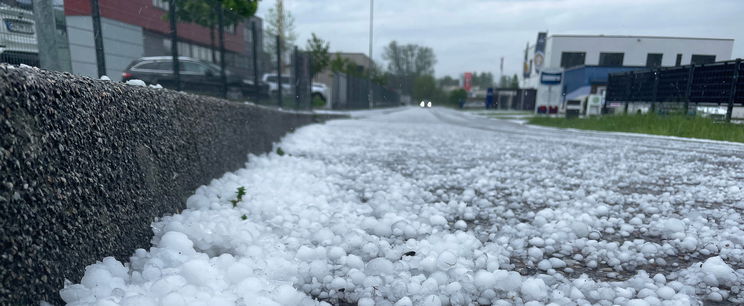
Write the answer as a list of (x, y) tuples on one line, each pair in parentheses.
[(197, 76)]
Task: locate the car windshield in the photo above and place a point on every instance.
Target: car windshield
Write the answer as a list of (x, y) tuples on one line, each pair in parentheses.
[(372, 152)]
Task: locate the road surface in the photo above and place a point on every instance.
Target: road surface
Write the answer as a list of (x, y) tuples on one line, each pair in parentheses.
[(434, 206)]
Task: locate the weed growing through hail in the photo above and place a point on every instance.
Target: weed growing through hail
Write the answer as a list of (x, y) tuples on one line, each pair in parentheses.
[(239, 196)]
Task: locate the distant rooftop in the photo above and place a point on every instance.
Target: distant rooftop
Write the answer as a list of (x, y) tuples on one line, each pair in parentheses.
[(637, 36)]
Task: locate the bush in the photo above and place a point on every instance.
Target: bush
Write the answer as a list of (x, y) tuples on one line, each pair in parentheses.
[(456, 96), (318, 102)]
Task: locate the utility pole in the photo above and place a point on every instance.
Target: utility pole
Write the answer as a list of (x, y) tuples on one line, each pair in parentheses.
[(174, 42), (371, 63), (95, 15)]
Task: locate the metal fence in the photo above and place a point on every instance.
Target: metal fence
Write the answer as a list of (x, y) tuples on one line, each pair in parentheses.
[(350, 92), (127, 40), (716, 83)]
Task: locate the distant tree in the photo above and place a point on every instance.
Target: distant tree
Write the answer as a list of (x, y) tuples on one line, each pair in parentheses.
[(425, 88), (483, 80), (405, 63), (456, 96), (279, 22), (204, 13), (509, 82), (319, 56), (338, 63), (514, 82), (377, 75), (448, 81)]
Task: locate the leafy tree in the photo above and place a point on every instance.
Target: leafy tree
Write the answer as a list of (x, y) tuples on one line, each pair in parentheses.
[(204, 13), (483, 80), (456, 96), (509, 82), (338, 64), (514, 82), (319, 56), (279, 22), (448, 81), (343, 65), (408, 62), (425, 88)]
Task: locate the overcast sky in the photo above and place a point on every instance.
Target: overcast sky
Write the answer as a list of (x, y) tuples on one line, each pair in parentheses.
[(471, 35)]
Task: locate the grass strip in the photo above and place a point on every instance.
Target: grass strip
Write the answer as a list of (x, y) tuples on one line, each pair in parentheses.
[(673, 125)]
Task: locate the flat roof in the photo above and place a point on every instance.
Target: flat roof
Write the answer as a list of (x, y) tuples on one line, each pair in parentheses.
[(633, 36)]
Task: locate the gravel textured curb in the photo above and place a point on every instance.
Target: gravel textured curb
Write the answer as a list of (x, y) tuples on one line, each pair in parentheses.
[(86, 166)]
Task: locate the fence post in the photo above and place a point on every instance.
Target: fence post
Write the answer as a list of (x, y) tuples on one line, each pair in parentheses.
[(174, 43), (732, 92), (654, 91), (98, 37), (279, 70), (296, 76), (221, 31), (688, 91), (256, 81), (45, 32), (627, 93)]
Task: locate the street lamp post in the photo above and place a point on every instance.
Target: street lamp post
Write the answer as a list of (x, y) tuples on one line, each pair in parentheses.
[(371, 63)]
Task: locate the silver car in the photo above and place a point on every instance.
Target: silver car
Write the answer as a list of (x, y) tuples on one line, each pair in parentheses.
[(18, 42)]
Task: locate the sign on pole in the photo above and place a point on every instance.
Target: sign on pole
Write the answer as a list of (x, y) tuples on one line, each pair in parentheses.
[(551, 78), (467, 81)]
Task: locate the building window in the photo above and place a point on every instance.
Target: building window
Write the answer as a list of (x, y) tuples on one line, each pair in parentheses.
[(678, 62), (611, 59), (653, 60), (162, 4), (572, 59), (698, 59)]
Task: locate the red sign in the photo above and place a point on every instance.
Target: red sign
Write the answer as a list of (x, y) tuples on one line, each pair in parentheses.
[(467, 83)]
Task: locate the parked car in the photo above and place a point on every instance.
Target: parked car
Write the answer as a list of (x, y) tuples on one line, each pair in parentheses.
[(18, 44), (197, 76), (320, 90), (273, 80)]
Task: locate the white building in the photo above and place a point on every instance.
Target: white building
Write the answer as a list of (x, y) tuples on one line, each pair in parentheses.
[(566, 51)]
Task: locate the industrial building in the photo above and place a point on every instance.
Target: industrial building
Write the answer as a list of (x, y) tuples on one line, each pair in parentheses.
[(566, 67)]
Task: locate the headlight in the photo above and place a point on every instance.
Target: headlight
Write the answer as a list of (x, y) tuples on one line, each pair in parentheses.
[(428, 104), (422, 104)]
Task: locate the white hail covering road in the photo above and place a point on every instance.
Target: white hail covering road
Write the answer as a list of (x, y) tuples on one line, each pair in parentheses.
[(437, 207)]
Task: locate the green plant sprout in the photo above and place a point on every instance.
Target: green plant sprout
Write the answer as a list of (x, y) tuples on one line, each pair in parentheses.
[(239, 196)]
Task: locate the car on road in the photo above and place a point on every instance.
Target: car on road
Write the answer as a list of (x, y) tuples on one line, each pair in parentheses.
[(425, 104), (197, 76), (18, 44)]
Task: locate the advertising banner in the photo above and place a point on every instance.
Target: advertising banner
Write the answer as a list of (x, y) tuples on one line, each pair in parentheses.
[(539, 58), (526, 69), (467, 83)]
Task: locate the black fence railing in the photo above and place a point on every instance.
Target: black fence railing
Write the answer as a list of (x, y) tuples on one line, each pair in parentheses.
[(350, 92), (132, 40), (718, 83)]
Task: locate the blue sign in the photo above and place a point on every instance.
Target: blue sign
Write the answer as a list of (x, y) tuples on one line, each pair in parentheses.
[(548, 78)]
